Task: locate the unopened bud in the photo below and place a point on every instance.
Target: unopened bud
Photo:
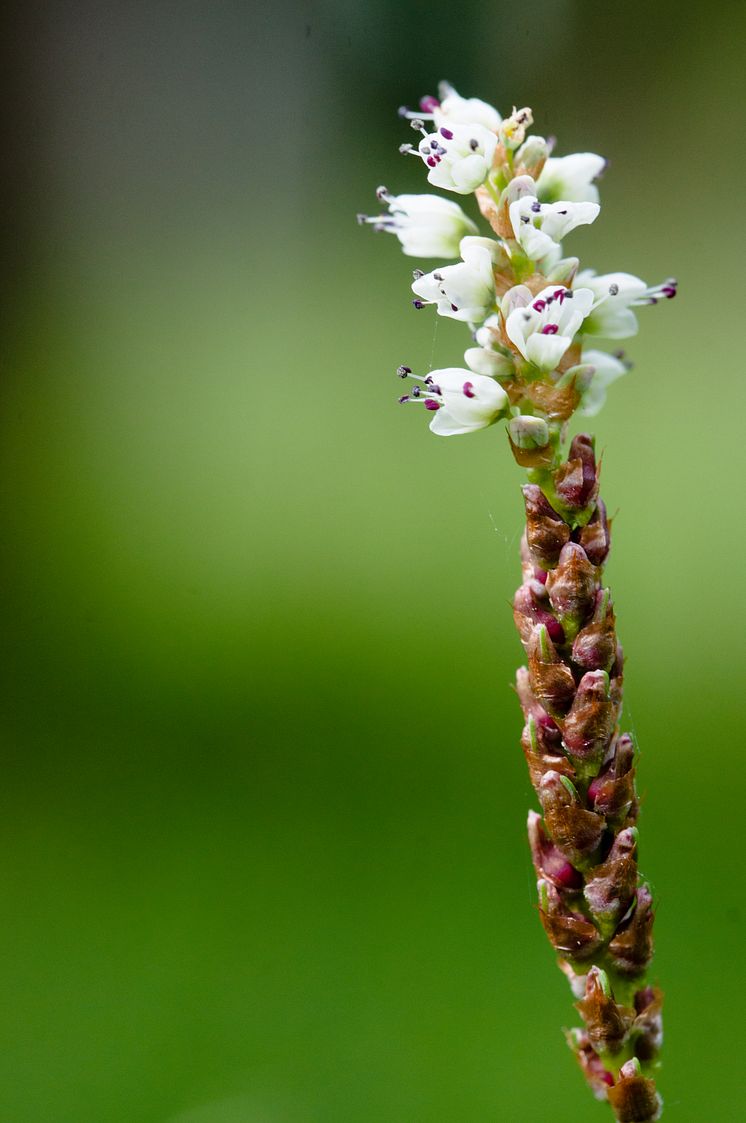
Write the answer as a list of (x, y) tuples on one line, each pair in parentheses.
[(590, 721), (549, 861), (611, 886), (575, 830), (606, 1023), (490, 363), (633, 1097), (570, 933), (572, 587), (632, 948), (551, 679), (529, 441), (546, 530), (595, 537), (531, 156), (563, 273)]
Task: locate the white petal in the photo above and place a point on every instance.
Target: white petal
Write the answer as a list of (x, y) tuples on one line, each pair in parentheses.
[(445, 425), (570, 177), (468, 174), (460, 110), (517, 325), (546, 351), (491, 364)]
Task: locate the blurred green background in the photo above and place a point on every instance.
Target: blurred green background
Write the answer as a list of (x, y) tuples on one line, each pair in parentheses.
[(262, 835)]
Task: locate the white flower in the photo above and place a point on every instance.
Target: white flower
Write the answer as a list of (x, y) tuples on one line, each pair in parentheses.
[(607, 368), (460, 401), (453, 109), (458, 157), (465, 291), (570, 177), (543, 330), (617, 294), (457, 110), (426, 225), (540, 227)]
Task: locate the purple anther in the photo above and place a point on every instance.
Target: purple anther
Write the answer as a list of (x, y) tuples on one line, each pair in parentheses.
[(431, 404), (549, 329), (429, 104), (446, 133), (539, 305), (468, 389), (431, 162)]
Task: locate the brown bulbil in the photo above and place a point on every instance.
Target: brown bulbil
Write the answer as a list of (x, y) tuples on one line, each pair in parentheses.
[(648, 1025), (569, 932), (548, 732), (632, 948), (599, 1079), (612, 792), (591, 719), (574, 829), (546, 531), (540, 759), (572, 587), (576, 481), (594, 648), (548, 861), (611, 886), (606, 1023), (633, 1097), (551, 680), (532, 457), (557, 403), (595, 537), (528, 611)]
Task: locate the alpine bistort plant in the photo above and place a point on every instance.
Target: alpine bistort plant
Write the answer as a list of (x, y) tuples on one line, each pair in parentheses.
[(533, 318)]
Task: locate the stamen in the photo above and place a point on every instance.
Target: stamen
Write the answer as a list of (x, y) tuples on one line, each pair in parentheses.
[(416, 274), (419, 303), (468, 389), (404, 398), (446, 133), (536, 207), (549, 329), (403, 371), (473, 144), (431, 404), (429, 104), (613, 290)]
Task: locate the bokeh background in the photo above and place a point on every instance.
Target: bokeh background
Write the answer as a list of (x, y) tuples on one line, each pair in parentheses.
[(262, 850)]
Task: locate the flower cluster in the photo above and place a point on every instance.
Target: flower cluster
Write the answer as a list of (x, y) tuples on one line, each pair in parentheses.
[(533, 316)]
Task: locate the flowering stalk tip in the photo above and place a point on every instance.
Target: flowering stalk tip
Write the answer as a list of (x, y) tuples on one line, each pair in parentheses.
[(534, 361)]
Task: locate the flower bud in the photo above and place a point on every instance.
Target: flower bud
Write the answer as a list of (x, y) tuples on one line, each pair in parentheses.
[(633, 1097), (595, 645), (576, 481), (605, 1022), (611, 886), (546, 531), (590, 721), (527, 613), (595, 537), (647, 1028), (549, 862), (612, 792), (551, 679), (563, 273), (575, 830), (632, 948), (599, 1079), (531, 157), (529, 442), (572, 588), (569, 933)]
